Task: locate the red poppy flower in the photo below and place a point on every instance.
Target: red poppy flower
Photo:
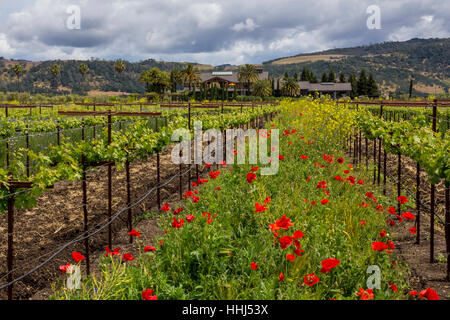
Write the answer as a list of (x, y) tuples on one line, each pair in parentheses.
[(127, 257), (311, 279), (338, 178), (134, 233), (166, 207), (254, 169), (304, 157), (177, 223), (188, 194), (283, 223), (413, 293), (254, 266), (308, 179), (267, 200), (408, 216), (402, 199), (189, 218), (285, 242), (222, 163), (259, 208), (429, 293), (148, 295), (365, 294), (77, 256), (393, 287), (340, 161), (413, 230), (369, 195), (379, 246), (360, 182), (281, 277), (290, 257), (298, 234), (115, 252), (382, 233), (177, 211), (321, 185), (391, 210), (347, 171), (217, 189), (195, 199), (363, 222), (208, 165), (280, 157), (214, 174), (150, 249), (251, 177), (66, 268), (329, 264), (324, 201)]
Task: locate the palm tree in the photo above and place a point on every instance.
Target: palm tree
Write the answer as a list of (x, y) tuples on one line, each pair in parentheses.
[(191, 75), (83, 69), (247, 75), (290, 87), (119, 65), (55, 70), (262, 88), (176, 77), (18, 70)]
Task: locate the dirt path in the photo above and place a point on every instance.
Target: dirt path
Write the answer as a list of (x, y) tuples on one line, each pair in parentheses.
[(423, 273)]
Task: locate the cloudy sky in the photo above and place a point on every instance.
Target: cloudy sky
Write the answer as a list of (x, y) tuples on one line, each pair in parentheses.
[(207, 31)]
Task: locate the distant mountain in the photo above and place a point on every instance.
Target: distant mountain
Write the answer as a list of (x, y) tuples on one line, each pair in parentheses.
[(393, 64)]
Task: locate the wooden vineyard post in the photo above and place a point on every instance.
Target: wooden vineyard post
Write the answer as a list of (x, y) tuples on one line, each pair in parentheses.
[(374, 161), (130, 214), (27, 143), (85, 212), (10, 255), (432, 197), (447, 227), (109, 185), (418, 218), (399, 179), (379, 150)]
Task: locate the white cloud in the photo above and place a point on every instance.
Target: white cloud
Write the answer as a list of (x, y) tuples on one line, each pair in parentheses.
[(248, 25), (211, 31), (5, 48)]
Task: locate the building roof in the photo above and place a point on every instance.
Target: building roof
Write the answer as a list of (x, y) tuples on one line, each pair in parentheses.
[(325, 86), (229, 76)]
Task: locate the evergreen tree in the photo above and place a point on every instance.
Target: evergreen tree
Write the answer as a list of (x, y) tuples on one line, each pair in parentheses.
[(372, 87), (342, 77), (332, 76), (286, 76), (296, 78), (324, 77), (363, 84), (354, 83), (313, 78), (305, 75)]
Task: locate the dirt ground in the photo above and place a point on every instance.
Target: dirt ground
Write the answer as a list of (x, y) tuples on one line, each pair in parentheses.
[(58, 218), (423, 273)]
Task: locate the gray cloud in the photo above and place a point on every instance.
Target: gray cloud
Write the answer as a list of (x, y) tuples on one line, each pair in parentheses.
[(208, 31)]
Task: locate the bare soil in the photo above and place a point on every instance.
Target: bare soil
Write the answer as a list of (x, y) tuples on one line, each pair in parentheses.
[(423, 273)]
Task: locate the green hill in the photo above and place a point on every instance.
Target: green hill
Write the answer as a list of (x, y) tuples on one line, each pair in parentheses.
[(392, 63)]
